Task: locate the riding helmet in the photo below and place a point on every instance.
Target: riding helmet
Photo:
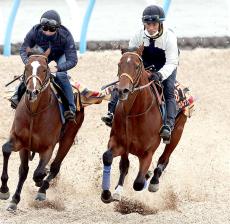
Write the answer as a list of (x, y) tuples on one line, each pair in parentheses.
[(52, 15), (153, 13)]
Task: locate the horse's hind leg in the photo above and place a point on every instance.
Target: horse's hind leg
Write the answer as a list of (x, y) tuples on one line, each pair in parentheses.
[(124, 166), (64, 146), (164, 159), (23, 171), (7, 148)]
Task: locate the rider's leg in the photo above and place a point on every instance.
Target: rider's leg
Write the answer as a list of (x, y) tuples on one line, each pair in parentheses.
[(169, 86), (108, 119), (63, 81), (20, 90)]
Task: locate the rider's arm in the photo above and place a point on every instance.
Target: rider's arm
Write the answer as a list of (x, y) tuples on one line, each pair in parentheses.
[(171, 55), (70, 54), (29, 41), (136, 40)]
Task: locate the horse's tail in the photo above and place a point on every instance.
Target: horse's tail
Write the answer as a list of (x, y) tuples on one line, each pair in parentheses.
[(31, 156)]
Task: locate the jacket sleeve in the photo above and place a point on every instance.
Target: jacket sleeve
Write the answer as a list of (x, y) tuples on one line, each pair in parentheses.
[(171, 55), (70, 54), (29, 41)]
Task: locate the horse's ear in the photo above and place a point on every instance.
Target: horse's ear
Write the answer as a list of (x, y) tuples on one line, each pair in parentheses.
[(47, 52), (123, 50), (140, 49)]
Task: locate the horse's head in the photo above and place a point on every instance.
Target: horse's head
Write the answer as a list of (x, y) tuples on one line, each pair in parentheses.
[(130, 69), (37, 74)]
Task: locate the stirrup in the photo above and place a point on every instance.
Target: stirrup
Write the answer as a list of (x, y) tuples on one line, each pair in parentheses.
[(13, 102), (108, 119), (69, 115), (165, 133)]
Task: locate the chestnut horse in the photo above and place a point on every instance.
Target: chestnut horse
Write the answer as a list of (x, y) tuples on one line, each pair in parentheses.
[(37, 128), (135, 129)]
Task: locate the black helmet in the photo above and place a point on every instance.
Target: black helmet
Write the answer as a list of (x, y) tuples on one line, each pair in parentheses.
[(153, 13), (50, 18)]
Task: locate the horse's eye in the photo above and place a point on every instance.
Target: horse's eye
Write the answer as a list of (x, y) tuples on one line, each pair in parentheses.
[(44, 70)]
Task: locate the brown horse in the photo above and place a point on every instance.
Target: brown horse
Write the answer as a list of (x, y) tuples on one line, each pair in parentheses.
[(37, 128), (135, 129)]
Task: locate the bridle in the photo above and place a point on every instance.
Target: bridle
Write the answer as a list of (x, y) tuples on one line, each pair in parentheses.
[(43, 84), (135, 82)]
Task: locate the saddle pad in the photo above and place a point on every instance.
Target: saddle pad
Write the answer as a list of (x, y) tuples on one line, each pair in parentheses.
[(185, 101)]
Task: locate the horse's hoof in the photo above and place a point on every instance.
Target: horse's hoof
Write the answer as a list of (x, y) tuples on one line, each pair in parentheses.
[(40, 196), (153, 187), (4, 196), (106, 196), (12, 207), (116, 196)]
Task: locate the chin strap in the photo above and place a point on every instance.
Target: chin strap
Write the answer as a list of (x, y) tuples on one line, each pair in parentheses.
[(160, 32)]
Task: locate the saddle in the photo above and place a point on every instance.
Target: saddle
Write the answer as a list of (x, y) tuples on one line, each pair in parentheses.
[(184, 100)]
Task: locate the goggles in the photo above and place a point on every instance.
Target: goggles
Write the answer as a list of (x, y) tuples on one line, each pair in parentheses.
[(50, 28), (152, 18), (49, 22)]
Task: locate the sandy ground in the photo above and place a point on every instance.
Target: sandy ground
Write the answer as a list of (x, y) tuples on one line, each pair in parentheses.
[(195, 188)]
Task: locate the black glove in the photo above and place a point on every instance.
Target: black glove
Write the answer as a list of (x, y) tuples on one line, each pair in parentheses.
[(156, 76)]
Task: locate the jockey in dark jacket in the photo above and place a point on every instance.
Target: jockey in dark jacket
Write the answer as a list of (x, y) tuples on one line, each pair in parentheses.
[(50, 33)]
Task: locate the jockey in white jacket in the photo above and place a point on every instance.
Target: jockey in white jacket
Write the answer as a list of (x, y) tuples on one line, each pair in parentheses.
[(161, 54)]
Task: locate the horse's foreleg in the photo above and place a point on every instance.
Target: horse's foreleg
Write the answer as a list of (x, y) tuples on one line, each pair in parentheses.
[(23, 171), (124, 166), (107, 162), (40, 171), (7, 148), (164, 159), (140, 182)]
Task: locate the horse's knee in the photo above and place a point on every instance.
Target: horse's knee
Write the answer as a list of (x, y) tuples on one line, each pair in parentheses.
[(107, 158), (38, 176), (7, 148)]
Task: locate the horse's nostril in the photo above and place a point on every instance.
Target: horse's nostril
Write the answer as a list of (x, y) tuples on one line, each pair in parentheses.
[(125, 90)]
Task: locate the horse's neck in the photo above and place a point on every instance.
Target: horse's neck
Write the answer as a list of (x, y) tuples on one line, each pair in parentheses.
[(139, 101), (42, 101)]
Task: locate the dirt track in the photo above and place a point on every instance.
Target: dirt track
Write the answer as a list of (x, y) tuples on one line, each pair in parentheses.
[(196, 185)]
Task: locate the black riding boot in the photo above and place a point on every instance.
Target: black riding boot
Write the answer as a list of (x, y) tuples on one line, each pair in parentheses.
[(15, 99), (167, 128), (108, 119)]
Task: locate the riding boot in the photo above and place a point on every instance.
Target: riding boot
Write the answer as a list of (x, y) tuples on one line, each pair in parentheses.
[(15, 99), (167, 128), (108, 119), (63, 81)]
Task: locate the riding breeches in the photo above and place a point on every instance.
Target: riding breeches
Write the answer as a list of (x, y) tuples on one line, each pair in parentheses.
[(169, 86)]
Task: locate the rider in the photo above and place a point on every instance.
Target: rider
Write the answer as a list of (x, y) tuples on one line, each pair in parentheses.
[(50, 33), (161, 52)]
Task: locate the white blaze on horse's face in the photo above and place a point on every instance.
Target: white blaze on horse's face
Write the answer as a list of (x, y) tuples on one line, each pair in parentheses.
[(128, 60), (35, 65)]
